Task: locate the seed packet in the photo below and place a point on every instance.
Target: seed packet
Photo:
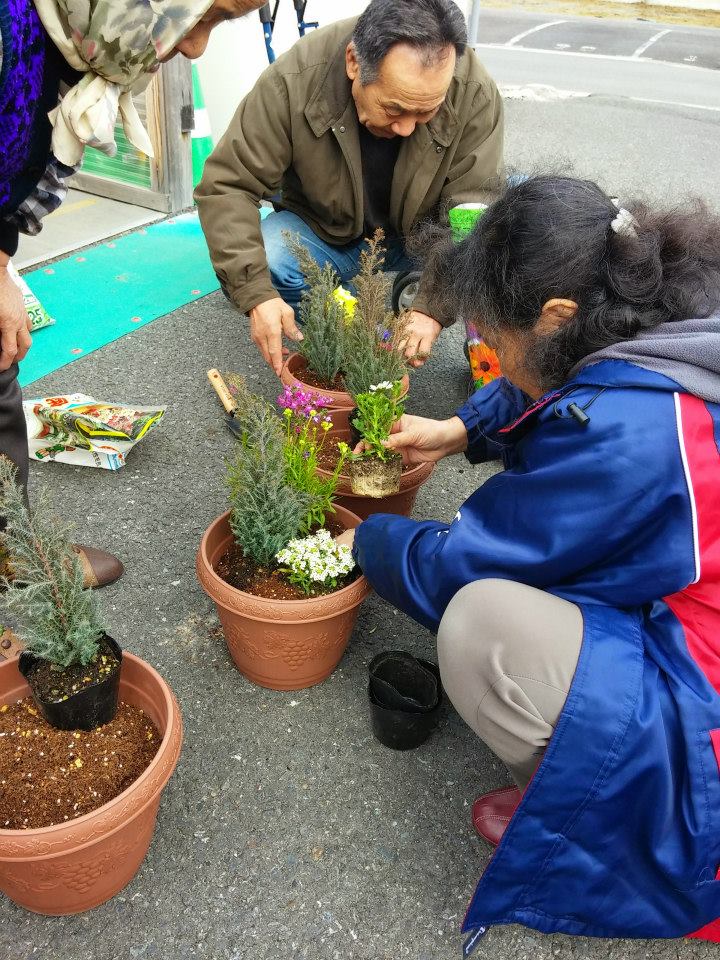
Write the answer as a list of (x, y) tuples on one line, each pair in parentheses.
[(78, 429), (36, 311)]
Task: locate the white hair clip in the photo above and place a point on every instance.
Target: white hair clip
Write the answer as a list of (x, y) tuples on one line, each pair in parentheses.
[(624, 223)]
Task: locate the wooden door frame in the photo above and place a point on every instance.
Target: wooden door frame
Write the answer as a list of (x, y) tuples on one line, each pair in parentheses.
[(170, 123)]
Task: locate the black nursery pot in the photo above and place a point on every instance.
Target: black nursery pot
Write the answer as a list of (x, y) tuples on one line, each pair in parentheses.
[(405, 696), (355, 435), (87, 709)]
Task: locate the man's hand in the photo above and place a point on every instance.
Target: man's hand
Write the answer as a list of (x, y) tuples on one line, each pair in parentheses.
[(15, 324), (268, 322), (422, 332), (422, 440)]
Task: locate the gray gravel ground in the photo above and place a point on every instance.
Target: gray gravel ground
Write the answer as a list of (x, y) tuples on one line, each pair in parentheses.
[(287, 830)]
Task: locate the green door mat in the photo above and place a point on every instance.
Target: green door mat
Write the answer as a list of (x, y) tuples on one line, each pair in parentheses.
[(100, 294)]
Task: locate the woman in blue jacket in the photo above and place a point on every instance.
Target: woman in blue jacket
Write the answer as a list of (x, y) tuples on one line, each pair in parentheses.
[(576, 594)]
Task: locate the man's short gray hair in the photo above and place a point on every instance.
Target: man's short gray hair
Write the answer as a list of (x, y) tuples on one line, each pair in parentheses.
[(431, 26)]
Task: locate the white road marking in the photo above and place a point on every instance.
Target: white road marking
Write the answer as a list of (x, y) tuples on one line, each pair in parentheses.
[(536, 92), (648, 43), (562, 46), (526, 33), (690, 59), (592, 56), (588, 49), (676, 103)]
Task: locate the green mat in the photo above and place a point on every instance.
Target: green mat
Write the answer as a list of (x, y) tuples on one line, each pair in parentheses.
[(101, 294)]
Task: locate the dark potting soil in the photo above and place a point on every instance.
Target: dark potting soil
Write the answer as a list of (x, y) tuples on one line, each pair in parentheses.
[(49, 776), (247, 575), (311, 378), (53, 684)]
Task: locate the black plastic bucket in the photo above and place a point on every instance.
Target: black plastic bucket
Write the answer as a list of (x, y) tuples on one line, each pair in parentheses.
[(405, 697), (87, 709)]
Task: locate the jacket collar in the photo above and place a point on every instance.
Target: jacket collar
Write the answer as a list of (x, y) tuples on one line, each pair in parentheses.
[(332, 101)]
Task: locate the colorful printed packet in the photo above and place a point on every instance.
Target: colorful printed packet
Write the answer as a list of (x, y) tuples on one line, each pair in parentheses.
[(78, 429)]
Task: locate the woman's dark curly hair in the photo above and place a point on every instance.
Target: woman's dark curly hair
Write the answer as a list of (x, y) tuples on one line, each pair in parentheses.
[(551, 237)]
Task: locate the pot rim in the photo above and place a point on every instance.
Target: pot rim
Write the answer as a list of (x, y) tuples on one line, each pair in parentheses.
[(359, 586), (339, 396), (57, 828)]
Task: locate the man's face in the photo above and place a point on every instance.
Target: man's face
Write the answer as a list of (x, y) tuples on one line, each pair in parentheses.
[(194, 43), (406, 92)]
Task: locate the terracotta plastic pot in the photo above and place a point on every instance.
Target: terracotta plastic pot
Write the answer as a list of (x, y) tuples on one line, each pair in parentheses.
[(74, 866), (342, 402), (280, 644), (401, 503)]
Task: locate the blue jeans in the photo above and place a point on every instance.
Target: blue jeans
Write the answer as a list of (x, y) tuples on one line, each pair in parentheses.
[(345, 260)]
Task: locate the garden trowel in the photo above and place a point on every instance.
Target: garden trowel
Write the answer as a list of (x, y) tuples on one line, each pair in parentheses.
[(227, 400)]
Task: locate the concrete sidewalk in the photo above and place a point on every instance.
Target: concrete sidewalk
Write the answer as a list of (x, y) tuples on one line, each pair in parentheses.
[(287, 830)]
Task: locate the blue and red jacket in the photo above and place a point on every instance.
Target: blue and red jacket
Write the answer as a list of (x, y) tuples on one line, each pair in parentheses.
[(618, 833)]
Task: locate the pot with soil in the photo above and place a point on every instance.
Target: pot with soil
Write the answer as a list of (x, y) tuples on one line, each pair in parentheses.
[(295, 372), (286, 593), (76, 697), (344, 351), (77, 850), (276, 642)]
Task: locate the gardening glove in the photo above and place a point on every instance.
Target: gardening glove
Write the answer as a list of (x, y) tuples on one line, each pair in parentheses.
[(268, 322)]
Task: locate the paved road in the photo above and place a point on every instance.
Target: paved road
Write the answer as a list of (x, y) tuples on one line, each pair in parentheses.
[(630, 39), (605, 58)]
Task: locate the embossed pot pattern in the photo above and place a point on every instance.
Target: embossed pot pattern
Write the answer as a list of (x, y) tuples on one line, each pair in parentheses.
[(280, 644), (74, 866)]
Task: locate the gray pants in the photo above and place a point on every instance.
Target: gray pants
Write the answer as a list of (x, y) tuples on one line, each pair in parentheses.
[(508, 654)]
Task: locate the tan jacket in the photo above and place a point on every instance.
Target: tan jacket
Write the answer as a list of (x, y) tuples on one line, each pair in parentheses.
[(297, 132)]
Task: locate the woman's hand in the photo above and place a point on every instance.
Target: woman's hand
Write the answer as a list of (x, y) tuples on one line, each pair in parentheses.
[(421, 440), (346, 538), (15, 323)]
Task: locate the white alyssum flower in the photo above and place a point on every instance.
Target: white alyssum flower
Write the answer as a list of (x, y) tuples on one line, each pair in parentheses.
[(316, 558), (383, 385)]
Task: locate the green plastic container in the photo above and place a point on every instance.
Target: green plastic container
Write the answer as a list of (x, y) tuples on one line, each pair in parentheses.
[(463, 218)]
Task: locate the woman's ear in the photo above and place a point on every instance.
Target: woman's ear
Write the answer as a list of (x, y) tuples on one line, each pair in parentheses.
[(554, 315)]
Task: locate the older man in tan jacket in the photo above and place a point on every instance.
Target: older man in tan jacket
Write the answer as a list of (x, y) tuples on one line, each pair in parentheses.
[(378, 121)]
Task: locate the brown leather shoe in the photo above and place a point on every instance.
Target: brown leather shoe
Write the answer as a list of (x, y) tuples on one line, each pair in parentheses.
[(100, 568), (492, 812)]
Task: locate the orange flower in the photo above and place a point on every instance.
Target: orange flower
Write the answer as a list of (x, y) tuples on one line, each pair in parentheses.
[(483, 363)]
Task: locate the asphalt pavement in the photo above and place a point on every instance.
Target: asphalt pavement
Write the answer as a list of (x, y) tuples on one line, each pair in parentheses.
[(634, 39), (643, 62), (287, 830)]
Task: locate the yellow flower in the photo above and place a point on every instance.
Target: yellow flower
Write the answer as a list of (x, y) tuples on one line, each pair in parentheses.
[(348, 301)]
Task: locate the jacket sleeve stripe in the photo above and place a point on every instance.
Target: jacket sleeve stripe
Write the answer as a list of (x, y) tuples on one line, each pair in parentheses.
[(688, 480)]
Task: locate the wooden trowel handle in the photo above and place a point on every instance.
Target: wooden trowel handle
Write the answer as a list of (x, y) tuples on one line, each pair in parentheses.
[(220, 388)]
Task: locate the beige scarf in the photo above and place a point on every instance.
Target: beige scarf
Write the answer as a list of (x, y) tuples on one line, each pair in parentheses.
[(117, 45)]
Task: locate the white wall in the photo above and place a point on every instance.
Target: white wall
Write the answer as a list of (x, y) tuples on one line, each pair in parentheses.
[(236, 54)]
